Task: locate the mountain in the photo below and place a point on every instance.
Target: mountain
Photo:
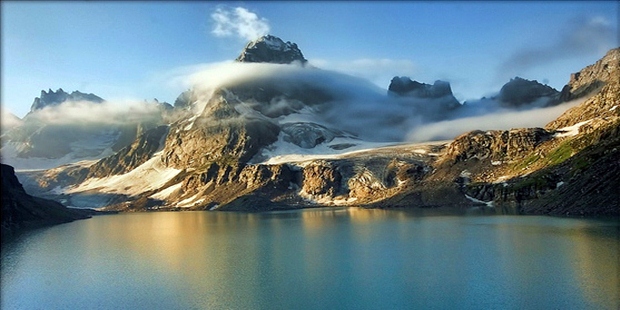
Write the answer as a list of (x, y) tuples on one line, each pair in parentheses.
[(21, 210), (51, 98), (295, 136), (404, 87), (271, 49), (521, 92), (61, 129)]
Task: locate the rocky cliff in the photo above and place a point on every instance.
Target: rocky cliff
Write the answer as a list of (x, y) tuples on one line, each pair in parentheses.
[(592, 77), (21, 210)]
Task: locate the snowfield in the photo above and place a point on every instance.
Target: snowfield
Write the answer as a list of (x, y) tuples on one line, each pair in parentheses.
[(570, 131), (151, 175)]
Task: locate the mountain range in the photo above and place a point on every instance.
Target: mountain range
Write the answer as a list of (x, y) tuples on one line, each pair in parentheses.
[(282, 134)]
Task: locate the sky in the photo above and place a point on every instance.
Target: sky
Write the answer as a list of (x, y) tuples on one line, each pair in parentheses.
[(141, 50)]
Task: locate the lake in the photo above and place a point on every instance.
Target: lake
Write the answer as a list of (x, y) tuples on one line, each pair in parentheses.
[(343, 258)]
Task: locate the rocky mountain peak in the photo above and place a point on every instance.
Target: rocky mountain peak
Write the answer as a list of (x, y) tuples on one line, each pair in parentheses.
[(51, 98), (271, 49), (404, 86), (592, 77), (518, 92)]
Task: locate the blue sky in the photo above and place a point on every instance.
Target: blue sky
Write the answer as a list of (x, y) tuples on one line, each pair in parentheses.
[(137, 50)]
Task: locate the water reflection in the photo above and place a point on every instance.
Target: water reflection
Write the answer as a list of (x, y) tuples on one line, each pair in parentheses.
[(318, 258)]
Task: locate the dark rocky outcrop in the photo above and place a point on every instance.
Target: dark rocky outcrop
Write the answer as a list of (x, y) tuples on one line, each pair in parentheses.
[(21, 210), (271, 49), (521, 92), (439, 94), (404, 86), (308, 135)]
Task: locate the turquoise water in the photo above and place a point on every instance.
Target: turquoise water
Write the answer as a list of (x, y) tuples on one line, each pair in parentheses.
[(315, 259)]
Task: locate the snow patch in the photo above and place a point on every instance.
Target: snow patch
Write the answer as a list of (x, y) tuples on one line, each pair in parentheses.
[(570, 131), (488, 203), (189, 202), (166, 193), (151, 175)]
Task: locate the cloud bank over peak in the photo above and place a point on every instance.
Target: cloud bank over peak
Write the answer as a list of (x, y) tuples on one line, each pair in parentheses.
[(89, 113), (238, 22)]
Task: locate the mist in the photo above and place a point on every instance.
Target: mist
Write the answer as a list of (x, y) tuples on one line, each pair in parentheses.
[(89, 113), (499, 119), (9, 120), (358, 106)]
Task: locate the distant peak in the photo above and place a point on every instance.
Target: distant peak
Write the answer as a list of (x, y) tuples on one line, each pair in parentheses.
[(271, 49), (51, 98)]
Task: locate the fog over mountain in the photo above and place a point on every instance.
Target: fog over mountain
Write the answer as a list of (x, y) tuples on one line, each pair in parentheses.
[(355, 105)]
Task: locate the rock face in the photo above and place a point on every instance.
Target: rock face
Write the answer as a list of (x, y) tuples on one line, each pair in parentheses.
[(131, 156), (495, 144), (271, 49), (592, 77), (20, 210), (603, 76), (51, 98), (404, 87), (308, 135), (219, 134), (520, 92)]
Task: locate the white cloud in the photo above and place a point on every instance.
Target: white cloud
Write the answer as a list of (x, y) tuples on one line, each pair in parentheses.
[(107, 112), (239, 22), (9, 120), (498, 120), (380, 71)]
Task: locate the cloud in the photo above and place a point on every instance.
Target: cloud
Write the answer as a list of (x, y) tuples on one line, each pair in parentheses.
[(89, 113), (489, 120), (582, 36), (239, 22), (356, 106), (380, 71), (9, 120)]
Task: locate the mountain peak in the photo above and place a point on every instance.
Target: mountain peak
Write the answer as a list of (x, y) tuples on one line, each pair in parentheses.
[(271, 49), (51, 98), (519, 92)]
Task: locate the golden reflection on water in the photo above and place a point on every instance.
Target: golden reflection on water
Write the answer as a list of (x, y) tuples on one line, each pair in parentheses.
[(599, 276), (178, 244), (594, 260)]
